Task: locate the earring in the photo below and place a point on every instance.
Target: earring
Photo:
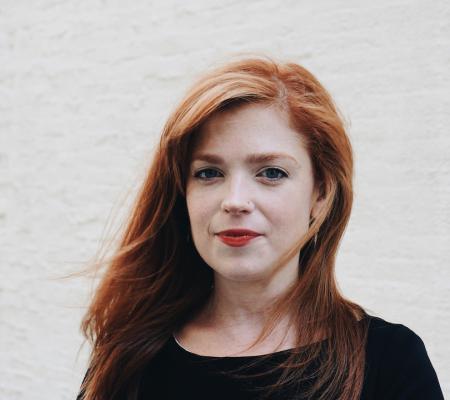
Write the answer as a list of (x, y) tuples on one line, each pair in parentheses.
[(311, 220)]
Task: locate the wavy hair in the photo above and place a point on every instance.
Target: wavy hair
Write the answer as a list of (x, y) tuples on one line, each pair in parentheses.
[(156, 280)]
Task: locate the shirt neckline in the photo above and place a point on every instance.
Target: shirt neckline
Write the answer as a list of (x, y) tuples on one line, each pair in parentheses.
[(247, 357), (178, 346)]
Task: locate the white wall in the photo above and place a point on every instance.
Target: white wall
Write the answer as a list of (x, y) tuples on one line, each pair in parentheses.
[(85, 87)]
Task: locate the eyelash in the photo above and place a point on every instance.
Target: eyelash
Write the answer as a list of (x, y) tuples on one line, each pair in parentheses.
[(197, 174)]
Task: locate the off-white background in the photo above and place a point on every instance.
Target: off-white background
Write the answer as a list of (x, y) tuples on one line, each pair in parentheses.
[(85, 87)]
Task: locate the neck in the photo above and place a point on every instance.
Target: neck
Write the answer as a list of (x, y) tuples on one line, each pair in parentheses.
[(242, 308)]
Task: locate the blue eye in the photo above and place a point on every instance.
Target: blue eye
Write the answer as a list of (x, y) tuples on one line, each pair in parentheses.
[(274, 173), (203, 174)]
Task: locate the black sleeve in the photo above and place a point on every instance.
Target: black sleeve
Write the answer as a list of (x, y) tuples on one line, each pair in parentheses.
[(407, 372)]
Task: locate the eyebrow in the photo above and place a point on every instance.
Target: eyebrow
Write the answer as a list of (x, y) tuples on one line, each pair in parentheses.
[(255, 158)]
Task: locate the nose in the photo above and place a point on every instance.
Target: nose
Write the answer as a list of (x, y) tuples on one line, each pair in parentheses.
[(236, 199)]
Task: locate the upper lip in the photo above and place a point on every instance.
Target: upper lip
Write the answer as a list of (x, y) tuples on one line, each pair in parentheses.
[(239, 232)]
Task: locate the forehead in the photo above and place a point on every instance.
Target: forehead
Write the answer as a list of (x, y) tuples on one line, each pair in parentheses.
[(249, 128)]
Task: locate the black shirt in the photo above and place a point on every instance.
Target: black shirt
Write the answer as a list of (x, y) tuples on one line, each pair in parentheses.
[(397, 368)]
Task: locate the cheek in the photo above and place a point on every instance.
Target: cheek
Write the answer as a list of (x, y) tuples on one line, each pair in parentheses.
[(291, 217), (199, 212)]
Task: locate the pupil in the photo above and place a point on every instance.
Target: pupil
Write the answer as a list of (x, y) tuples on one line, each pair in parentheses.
[(209, 173), (272, 173)]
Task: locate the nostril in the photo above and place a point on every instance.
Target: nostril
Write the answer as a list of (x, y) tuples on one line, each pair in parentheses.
[(237, 206)]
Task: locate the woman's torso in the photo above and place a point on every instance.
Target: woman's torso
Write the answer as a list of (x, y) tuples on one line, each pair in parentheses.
[(397, 367)]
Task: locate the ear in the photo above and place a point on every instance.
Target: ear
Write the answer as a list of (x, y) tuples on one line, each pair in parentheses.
[(318, 201)]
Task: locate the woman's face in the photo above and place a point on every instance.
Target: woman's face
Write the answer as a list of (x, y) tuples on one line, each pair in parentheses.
[(249, 170)]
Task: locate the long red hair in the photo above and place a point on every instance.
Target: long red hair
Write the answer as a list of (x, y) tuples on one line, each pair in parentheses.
[(156, 280)]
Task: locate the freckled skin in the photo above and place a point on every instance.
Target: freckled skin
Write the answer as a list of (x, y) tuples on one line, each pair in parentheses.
[(236, 194)]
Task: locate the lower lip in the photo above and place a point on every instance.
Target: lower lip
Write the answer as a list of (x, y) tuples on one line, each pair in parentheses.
[(236, 241)]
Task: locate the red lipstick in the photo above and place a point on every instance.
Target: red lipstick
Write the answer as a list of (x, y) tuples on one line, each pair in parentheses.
[(237, 237)]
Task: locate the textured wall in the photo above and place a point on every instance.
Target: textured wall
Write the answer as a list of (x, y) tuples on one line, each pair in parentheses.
[(85, 87)]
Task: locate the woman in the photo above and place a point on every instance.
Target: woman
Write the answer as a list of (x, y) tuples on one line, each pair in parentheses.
[(223, 284)]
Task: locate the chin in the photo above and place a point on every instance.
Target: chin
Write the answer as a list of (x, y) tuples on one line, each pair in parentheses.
[(243, 273)]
